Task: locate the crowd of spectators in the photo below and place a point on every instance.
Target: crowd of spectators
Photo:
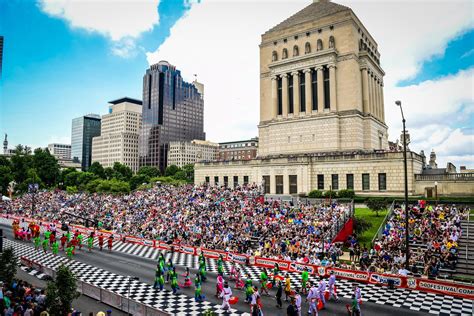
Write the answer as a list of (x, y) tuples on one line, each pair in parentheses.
[(240, 220), (22, 299), (433, 233)]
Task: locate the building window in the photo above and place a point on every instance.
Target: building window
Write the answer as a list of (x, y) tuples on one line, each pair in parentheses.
[(207, 180), (293, 180), (365, 182), (216, 180), (302, 104), (284, 54), (280, 102), (350, 181), (327, 103), (290, 93), (266, 184), (246, 180), (274, 56), (307, 48), (320, 181), (236, 181), (296, 51), (314, 89), (279, 184), (335, 181), (382, 181), (226, 181)]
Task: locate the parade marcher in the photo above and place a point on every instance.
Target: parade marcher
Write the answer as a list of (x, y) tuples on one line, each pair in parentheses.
[(255, 303), (174, 280), (332, 286), (37, 242), (355, 306), (239, 283), (263, 281), (304, 281), (292, 310), (90, 242), (233, 271), (276, 270), (110, 240), (55, 247), (169, 270), (79, 239), (312, 299), (298, 301), (278, 295), (45, 244), (159, 279), (226, 295), (220, 265), (248, 289), (101, 241), (287, 287), (219, 285), (70, 252), (202, 269), (63, 241), (52, 238), (321, 290), (187, 278), (198, 296)]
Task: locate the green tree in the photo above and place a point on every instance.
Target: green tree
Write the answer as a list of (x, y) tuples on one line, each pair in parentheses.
[(171, 170), (46, 166), (20, 163), (189, 170), (5, 177), (97, 169), (70, 179), (138, 180), (61, 292), (180, 175), (109, 173), (8, 265), (349, 194), (149, 171), (84, 178), (377, 205), (122, 172)]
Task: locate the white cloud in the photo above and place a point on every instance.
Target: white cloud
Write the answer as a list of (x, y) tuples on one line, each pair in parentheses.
[(125, 48), (219, 41), (120, 21)]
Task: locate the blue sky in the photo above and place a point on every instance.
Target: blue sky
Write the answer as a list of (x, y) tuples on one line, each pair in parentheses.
[(53, 72), (66, 59)]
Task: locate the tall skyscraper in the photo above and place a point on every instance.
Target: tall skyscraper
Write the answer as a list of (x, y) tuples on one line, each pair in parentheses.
[(61, 151), (173, 110), (82, 131), (118, 140)]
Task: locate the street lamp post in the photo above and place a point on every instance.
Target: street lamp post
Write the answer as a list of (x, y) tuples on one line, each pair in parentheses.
[(436, 193), (407, 242), (130, 278)]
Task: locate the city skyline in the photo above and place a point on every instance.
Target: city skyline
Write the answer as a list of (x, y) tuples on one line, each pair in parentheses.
[(431, 75)]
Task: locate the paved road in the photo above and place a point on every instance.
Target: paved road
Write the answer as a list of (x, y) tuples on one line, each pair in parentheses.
[(126, 264)]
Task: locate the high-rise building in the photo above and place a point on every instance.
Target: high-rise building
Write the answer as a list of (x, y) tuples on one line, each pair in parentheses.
[(322, 120), (60, 151), (173, 110), (184, 153), (118, 140), (83, 129)]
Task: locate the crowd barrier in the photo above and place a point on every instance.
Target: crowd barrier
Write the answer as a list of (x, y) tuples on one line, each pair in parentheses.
[(105, 296), (412, 283)]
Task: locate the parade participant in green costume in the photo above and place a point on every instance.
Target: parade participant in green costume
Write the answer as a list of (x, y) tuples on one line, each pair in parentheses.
[(174, 280), (248, 289), (45, 244), (55, 247), (198, 297), (169, 269), (304, 280), (159, 279), (220, 265), (202, 270), (37, 241), (90, 242), (69, 251), (263, 281), (276, 269), (79, 240)]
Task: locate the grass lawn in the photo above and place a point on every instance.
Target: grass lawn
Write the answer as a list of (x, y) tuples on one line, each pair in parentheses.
[(370, 216)]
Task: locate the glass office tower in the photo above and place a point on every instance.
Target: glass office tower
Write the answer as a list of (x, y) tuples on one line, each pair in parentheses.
[(173, 110), (82, 131)]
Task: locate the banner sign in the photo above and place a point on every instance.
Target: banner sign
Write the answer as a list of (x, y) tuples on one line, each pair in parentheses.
[(213, 253), (349, 274), (376, 278), (464, 291), (237, 258), (298, 267), (188, 249), (270, 263)]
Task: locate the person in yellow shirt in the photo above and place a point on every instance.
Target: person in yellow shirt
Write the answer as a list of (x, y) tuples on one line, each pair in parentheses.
[(287, 287)]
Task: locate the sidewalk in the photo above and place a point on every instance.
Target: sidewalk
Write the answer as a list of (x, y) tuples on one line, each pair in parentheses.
[(84, 304)]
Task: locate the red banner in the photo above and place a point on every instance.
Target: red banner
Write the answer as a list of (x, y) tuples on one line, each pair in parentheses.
[(237, 258), (270, 263)]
